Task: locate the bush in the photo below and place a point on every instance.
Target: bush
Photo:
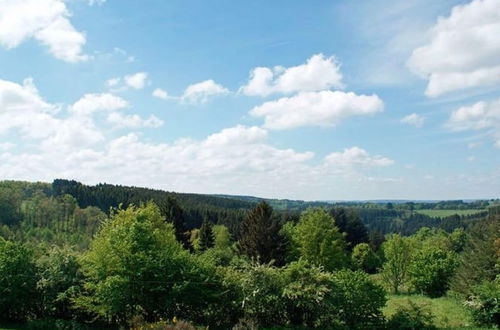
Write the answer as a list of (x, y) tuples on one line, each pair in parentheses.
[(303, 295), (485, 303), (358, 300), (431, 270), (411, 317)]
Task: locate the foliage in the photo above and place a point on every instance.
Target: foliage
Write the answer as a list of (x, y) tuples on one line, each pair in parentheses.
[(397, 253), (431, 269), (319, 241), (260, 237), (349, 223), (412, 317), (364, 258), (301, 294), (485, 303), (358, 300), (479, 258), (59, 282), (135, 266), (222, 237), (18, 279), (174, 214), (206, 238)]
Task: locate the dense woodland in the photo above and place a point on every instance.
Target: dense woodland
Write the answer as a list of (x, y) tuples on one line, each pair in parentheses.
[(74, 256)]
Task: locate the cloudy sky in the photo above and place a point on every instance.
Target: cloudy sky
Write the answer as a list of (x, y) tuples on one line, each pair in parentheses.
[(366, 99)]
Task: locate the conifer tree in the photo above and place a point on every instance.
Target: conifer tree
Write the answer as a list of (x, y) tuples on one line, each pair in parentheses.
[(174, 214), (207, 239), (259, 235)]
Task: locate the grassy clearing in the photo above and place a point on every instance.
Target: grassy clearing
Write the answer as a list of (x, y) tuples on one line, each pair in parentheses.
[(448, 312), (447, 213)]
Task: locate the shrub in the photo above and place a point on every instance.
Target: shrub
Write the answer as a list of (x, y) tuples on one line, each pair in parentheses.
[(431, 270), (411, 317), (357, 300), (485, 303), (303, 295)]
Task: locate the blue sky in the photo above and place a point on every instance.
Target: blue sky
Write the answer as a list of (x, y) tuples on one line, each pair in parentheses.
[(286, 99)]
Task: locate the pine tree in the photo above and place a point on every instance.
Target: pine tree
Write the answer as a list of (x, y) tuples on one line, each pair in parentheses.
[(174, 214), (259, 235), (207, 239)]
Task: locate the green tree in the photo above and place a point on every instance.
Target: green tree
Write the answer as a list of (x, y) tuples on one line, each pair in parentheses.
[(174, 214), (59, 282), (431, 269), (364, 258), (349, 223), (260, 237), (397, 252), (206, 239), (135, 267), (18, 294), (319, 241)]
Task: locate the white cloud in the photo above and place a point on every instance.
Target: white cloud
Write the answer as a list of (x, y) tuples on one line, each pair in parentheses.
[(463, 51), (325, 108), (414, 119), (471, 159), (161, 94), (90, 103), (44, 20), (21, 107), (137, 80), (479, 116), (318, 73), (356, 157), (201, 92), (113, 82), (133, 121), (237, 135)]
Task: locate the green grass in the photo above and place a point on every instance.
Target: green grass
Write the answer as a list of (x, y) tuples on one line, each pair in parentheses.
[(447, 213), (448, 312)]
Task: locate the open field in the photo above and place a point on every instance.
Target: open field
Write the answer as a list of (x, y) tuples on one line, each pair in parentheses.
[(447, 213), (448, 312)]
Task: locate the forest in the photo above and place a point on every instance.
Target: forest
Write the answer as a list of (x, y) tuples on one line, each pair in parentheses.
[(74, 256)]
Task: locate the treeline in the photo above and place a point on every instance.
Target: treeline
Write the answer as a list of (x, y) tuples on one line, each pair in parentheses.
[(196, 207), (386, 221), (139, 272)]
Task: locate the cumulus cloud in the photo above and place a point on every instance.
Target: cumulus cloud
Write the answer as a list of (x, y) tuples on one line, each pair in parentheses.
[(133, 121), (357, 157), (67, 142), (414, 119), (90, 103), (479, 116), (463, 50), (44, 20), (137, 80), (201, 92), (325, 108), (318, 73), (161, 94), (21, 107)]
